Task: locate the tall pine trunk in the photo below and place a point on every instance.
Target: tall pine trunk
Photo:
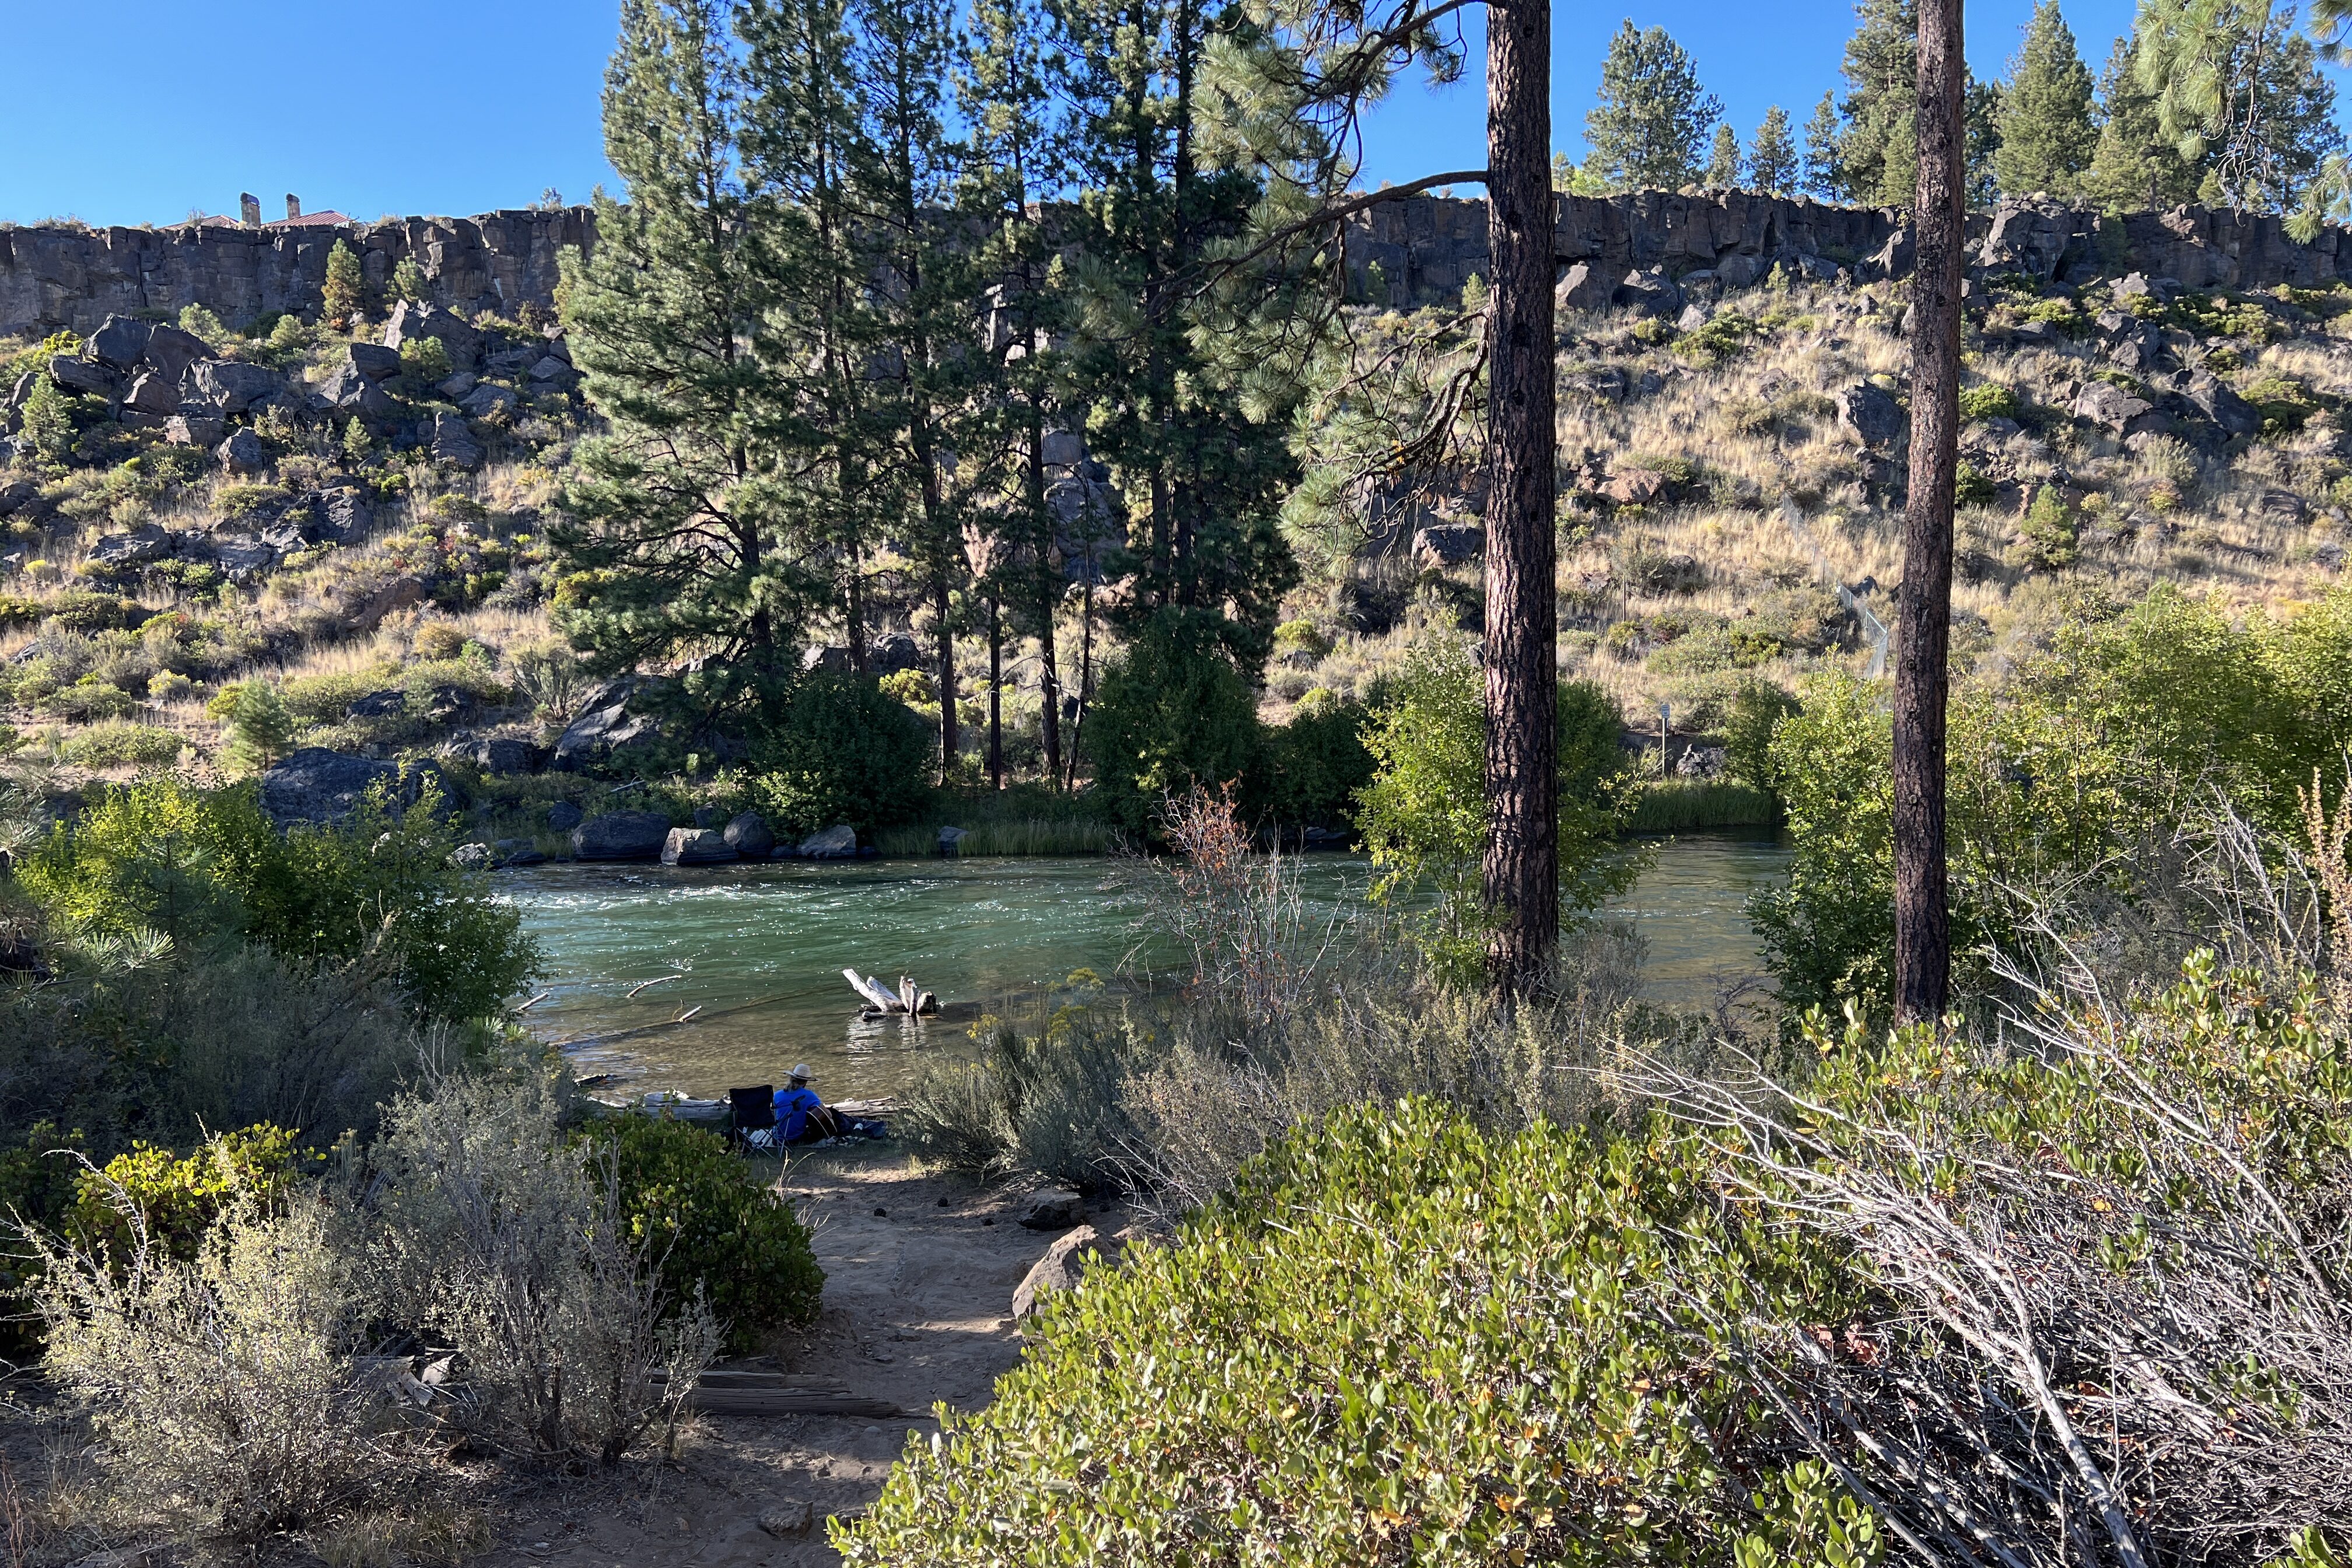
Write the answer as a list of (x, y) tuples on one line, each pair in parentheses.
[(1922, 924), (949, 742), (1522, 861), (1048, 579), (995, 695)]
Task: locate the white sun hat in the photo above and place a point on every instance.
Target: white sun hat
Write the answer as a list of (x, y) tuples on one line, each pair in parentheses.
[(800, 1072)]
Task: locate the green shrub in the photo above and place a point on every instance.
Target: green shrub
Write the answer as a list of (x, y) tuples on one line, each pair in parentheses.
[(1317, 762), (1302, 639), (1423, 814), (1987, 400), (1970, 488), (423, 362), (1172, 712), (843, 753), (117, 744), (1398, 1340), (254, 722), (1756, 712), (1689, 805), (690, 1201), (178, 1199), (2047, 535), (163, 857)]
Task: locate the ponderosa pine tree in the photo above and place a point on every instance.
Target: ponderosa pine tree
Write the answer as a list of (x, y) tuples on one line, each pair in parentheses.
[(343, 294), (2239, 93), (674, 540), (1772, 164), (1007, 98), (1723, 159), (903, 57), (1653, 115), (2135, 168), (2047, 138), (804, 142), (1823, 178), (1876, 157), (1202, 477)]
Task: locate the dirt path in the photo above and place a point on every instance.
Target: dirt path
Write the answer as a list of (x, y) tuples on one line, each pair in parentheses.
[(920, 1273)]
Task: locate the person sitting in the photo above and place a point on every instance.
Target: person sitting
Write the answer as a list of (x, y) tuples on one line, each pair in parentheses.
[(801, 1116)]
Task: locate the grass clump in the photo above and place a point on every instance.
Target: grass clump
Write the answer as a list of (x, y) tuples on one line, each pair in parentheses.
[(1687, 806)]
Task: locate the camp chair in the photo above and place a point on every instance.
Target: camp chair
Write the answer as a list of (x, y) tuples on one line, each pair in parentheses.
[(748, 1111)]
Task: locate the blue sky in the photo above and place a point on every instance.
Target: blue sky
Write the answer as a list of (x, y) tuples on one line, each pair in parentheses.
[(137, 110)]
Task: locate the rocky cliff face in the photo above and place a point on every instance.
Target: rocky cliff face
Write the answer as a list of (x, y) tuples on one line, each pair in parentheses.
[(1414, 251), (1421, 249), (53, 278)]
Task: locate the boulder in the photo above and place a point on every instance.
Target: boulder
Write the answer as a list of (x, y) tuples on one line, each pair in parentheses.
[(517, 852), (748, 834), (120, 342), (1448, 545), (2104, 404), (1583, 287), (413, 323), (1056, 1208), (551, 371), (508, 755), (390, 703), (453, 443), (487, 400), (398, 594), (563, 816), (1063, 1266), (238, 555), (892, 653), (229, 386), (192, 429), (2214, 399), (1637, 487), (343, 515), (457, 386), (620, 835), (471, 856), (2284, 508), (604, 729), (1692, 318), (241, 453), (1650, 293), (151, 393), (16, 495), (86, 377), (1739, 270), (143, 544), (1873, 416), (317, 785), (348, 391), (170, 350), (373, 361), (952, 841), (1063, 448), (832, 843), (696, 847)]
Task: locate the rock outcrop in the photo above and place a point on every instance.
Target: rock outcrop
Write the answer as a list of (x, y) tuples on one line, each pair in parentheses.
[(620, 835)]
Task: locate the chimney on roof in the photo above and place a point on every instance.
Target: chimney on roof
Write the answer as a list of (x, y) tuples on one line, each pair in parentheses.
[(293, 206), (250, 205)]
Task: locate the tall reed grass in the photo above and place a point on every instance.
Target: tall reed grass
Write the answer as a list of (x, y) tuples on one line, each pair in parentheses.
[(1681, 806)]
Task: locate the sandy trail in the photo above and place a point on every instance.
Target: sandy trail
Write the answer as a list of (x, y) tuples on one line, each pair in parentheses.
[(920, 1273)]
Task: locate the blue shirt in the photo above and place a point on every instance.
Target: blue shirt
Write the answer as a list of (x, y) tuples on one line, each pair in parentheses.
[(792, 1108)]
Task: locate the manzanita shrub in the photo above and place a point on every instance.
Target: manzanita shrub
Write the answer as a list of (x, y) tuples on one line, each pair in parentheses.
[(1399, 1340)]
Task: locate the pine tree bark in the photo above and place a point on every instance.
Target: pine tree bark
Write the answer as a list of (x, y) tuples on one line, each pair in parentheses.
[(951, 742), (995, 695), (1923, 925), (1521, 871)]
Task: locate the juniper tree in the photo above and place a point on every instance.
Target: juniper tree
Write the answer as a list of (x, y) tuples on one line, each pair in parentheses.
[(1645, 131), (675, 542), (2047, 138), (1723, 159), (1772, 164)]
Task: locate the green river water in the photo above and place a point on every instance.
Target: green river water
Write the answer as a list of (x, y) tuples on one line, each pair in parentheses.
[(762, 949)]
